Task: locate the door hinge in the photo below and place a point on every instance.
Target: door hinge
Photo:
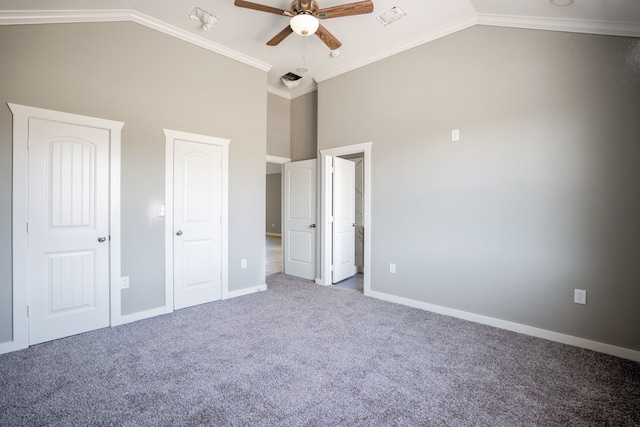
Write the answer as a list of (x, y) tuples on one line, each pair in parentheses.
[(27, 311), (27, 228)]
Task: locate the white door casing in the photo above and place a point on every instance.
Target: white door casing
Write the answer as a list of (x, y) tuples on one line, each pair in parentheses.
[(221, 147), (344, 219), (22, 117), (299, 217), (197, 223)]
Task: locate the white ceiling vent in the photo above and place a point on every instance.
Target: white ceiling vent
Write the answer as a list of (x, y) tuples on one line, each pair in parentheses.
[(391, 15)]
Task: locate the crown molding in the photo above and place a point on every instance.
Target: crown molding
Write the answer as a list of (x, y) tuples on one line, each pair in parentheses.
[(608, 28), (293, 94), (21, 17), (437, 33), (279, 92), (614, 28)]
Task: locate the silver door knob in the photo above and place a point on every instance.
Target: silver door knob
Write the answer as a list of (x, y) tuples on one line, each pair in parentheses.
[(179, 233), (312, 226), (101, 239)]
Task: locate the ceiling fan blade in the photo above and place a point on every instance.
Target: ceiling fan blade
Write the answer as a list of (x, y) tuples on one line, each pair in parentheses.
[(328, 38), (280, 36), (349, 9), (261, 7)]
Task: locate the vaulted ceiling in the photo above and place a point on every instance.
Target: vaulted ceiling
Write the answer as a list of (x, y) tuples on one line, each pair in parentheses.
[(242, 33)]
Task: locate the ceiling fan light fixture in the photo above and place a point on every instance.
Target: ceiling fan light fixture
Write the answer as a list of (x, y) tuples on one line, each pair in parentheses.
[(304, 24)]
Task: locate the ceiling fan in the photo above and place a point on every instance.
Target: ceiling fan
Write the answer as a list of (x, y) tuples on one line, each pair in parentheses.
[(305, 16)]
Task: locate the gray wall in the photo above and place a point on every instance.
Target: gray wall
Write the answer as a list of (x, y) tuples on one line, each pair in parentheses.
[(274, 203), (540, 196), (304, 127), (278, 126), (150, 81)]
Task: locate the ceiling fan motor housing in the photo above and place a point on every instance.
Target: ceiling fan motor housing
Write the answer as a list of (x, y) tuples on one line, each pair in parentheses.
[(309, 7)]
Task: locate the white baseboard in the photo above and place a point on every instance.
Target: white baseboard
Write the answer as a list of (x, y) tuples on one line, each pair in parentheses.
[(128, 318), (512, 326), (245, 291), (9, 346)]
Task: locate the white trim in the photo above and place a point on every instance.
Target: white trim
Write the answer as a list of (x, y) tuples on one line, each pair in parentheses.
[(611, 28), (325, 213), (18, 17), (245, 291), (512, 326), (20, 213), (278, 160), (140, 315), (294, 93), (171, 136)]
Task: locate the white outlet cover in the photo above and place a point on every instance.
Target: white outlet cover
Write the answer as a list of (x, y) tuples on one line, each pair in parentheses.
[(455, 135), (580, 296)]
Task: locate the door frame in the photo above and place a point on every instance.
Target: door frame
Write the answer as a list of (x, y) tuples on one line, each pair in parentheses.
[(20, 213), (326, 240), (171, 136)]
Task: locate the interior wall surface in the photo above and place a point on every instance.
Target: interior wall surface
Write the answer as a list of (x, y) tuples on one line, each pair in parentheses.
[(150, 81), (278, 126), (541, 194), (304, 127)]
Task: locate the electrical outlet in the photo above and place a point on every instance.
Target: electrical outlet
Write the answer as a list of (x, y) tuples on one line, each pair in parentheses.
[(455, 135), (392, 268), (124, 282), (579, 296), (243, 263)]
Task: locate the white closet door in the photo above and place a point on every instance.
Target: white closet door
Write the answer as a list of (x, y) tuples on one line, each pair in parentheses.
[(68, 283)]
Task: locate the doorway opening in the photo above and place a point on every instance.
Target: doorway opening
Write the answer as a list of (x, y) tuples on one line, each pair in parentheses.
[(364, 228), (356, 281), (273, 215)]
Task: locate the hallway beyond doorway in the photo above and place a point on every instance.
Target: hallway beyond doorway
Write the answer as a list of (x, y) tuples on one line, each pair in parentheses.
[(273, 255)]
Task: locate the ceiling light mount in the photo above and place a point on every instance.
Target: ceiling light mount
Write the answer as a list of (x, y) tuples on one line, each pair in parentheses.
[(207, 19)]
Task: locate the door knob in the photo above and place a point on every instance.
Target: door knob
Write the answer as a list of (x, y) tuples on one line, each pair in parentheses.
[(312, 226), (101, 239), (179, 233)]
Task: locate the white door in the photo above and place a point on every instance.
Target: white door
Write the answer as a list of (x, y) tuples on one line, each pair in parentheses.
[(344, 220), (68, 277), (300, 219), (197, 223)]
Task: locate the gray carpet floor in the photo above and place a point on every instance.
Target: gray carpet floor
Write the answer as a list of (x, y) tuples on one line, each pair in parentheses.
[(305, 355)]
